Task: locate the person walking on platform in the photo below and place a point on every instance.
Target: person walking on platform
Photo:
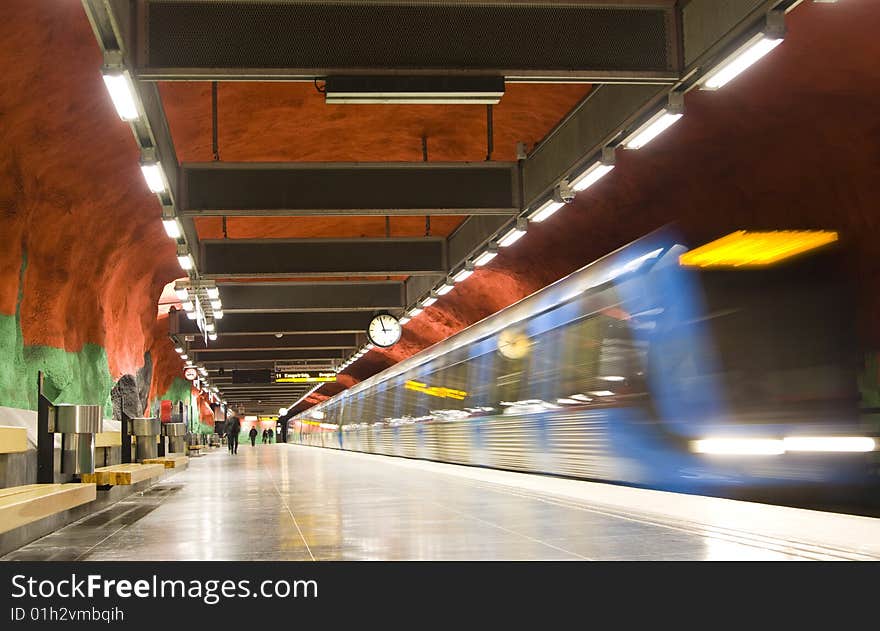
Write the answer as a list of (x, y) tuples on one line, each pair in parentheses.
[(233, 427), (265, 436), (253, 436), (271, 435), (283, 431)]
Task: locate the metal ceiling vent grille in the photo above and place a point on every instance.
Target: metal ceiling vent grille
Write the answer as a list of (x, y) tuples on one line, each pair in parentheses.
[(410, 35)]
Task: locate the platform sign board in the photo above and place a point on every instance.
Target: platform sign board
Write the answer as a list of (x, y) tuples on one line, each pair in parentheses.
[(191, 374), (305, 377)]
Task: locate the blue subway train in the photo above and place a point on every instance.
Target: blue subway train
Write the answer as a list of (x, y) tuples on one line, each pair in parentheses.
[(640, 370)]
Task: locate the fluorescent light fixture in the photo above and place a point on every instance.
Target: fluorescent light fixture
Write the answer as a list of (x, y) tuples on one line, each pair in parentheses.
[(427, 302), (515, 233), (181, 291), (218, 314), (186, 261), (445, 288), (545, 210), (739, 446), (184, 356), (414, 90), (192, 315), (602, 393), (213, 293), (613, 378), (216, 304), (172, 228), (187, 305), (369, 347), (178, 349), (749, 53), (121, 93), (212, 336), (658, 123), (740, 61), (595, 171), (404, 320), (153, 175), (829, 443), (209, 326), (414, 312), (184, 257), (490, 253), (464, 273)]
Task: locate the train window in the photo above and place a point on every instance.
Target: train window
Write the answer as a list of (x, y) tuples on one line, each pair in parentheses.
[(784, 341)]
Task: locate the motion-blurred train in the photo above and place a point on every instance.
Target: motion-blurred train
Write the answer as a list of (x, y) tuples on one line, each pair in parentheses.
[(638, 369)]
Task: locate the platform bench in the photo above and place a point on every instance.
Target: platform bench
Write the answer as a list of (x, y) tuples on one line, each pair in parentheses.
[(169, 462), (13, 439), (21, 505), (123, 474)]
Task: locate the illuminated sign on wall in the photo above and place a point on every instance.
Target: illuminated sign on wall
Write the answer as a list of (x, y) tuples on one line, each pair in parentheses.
[(435, 391), (305, 377)]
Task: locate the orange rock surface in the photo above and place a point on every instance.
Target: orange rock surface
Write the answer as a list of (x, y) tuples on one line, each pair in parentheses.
[(72, 196)]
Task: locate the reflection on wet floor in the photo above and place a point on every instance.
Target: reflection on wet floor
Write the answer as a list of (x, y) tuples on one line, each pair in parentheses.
[(284, 502), (78, 540)]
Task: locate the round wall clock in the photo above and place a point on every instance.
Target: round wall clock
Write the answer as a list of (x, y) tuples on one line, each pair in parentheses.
[(384, 330), (513, 344)]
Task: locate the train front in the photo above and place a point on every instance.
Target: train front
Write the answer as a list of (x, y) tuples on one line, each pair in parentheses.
[(755, 367)]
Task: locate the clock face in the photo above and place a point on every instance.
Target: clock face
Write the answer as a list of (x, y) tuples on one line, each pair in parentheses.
[(384, 330), (513, 344)]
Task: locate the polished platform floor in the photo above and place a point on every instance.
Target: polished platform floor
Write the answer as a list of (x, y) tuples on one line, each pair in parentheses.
[(286, 502)]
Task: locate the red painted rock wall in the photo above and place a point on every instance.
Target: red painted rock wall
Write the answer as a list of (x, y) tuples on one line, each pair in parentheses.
[(71, 193), (167, 364)]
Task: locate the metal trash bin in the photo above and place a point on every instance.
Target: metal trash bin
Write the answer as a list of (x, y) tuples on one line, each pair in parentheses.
[(146, 431), (176, 433), (78, 425)]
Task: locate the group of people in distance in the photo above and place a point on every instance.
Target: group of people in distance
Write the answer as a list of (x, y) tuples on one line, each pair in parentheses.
[(233, 428), (268, 435)]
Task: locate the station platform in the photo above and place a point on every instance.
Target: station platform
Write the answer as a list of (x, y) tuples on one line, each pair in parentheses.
[(290, 502)]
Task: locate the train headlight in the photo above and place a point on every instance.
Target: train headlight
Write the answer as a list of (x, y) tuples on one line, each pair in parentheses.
[(776, 446), (739, 446), (829, 443)]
